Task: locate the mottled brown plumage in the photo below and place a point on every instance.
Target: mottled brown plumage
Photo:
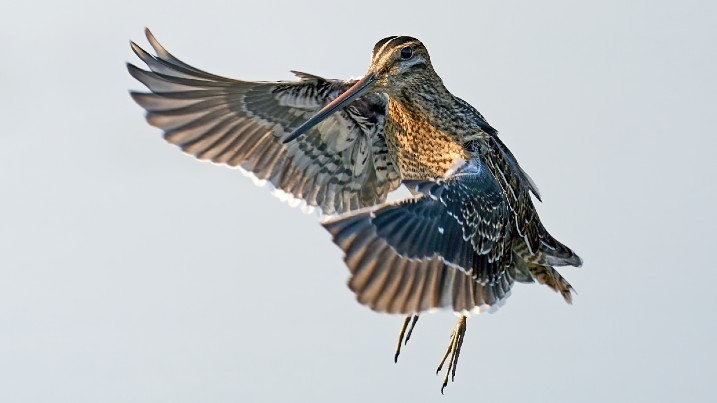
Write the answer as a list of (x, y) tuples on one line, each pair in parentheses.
[(469, 233), (473, 230)]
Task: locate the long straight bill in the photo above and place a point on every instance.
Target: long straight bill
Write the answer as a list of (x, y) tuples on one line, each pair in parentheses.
[(357, 90)]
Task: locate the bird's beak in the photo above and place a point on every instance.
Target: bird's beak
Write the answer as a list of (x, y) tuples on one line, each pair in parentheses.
[(357, 90)]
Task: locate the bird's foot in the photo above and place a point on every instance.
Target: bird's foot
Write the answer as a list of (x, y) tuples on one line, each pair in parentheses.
[(401, 340), (454, 351)]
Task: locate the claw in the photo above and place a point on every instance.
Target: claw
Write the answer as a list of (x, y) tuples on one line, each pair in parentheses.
[(400, 337), (454, 351), (401, 340)]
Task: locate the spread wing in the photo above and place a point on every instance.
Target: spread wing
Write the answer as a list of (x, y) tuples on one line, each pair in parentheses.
[(448, 248), (340, 165)]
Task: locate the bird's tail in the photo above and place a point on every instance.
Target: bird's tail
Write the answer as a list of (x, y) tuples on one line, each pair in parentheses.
[(527, 272), (550, 277)]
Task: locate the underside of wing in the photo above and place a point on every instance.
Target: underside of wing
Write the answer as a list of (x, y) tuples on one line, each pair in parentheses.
[(443, 249), (340, 165)]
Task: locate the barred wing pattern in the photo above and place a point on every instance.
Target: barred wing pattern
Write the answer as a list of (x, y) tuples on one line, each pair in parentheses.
[(538, 245), (339, 166), (448, 248)]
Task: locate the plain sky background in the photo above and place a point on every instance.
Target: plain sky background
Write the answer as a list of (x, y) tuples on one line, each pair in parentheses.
[(130, 272)]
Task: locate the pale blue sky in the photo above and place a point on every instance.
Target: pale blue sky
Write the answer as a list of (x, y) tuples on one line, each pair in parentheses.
[(132, 273)]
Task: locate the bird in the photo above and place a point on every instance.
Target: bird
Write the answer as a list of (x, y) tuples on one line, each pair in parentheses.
[(466, 234)]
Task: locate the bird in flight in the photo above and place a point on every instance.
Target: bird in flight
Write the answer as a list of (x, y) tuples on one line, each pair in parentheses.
[(469, 231)]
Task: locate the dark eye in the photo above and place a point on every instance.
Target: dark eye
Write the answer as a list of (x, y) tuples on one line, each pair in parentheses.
[(406, 53)]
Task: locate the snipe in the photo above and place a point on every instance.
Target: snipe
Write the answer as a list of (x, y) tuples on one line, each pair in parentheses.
[(470, 231)]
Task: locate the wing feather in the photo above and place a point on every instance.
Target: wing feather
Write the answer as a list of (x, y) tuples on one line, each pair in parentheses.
[(451, 236), (341, 165)]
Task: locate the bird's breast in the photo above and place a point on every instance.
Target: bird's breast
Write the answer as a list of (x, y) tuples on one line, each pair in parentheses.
[(420, 149)]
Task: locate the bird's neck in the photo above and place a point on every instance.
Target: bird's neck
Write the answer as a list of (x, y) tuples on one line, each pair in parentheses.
[(424, 131), (424, 97)]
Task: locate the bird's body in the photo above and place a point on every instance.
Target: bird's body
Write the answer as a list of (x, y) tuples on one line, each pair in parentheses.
[(469, 233)]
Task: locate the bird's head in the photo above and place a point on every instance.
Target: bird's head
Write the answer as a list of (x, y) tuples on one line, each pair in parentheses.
[(398, 64)]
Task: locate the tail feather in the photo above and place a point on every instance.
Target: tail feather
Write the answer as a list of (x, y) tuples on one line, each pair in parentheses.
[(550, 277)]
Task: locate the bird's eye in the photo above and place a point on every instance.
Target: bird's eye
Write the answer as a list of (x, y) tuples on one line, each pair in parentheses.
[(406, 53)]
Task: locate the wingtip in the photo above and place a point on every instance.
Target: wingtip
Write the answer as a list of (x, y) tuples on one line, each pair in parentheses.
[(159, 49), (136, 95), (574, 260), (138, 49), (135, 48), (578, 261), (148, 33), (133, 70)]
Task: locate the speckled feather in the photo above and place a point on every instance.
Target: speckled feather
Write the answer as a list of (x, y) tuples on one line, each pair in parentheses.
[(471, 231), (341, 166), (474, 219), (456, 228)]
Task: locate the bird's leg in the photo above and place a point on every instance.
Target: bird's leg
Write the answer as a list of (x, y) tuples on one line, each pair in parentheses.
[(401, 340), (454, 351)]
